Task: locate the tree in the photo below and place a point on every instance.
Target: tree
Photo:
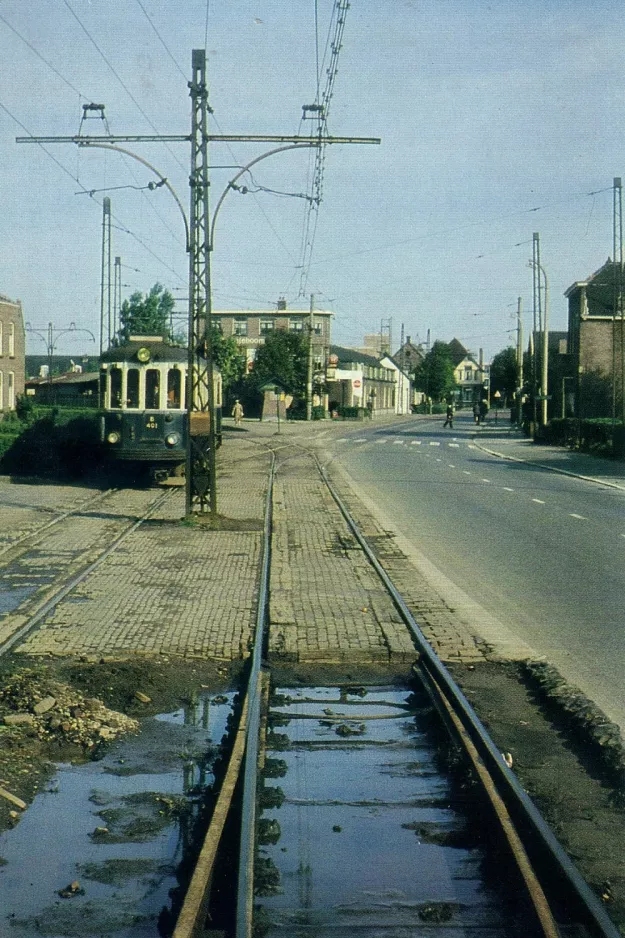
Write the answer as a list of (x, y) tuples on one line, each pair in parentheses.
[(283, 359), (228, 358), (504, 374), (435, 374), (146, 315)]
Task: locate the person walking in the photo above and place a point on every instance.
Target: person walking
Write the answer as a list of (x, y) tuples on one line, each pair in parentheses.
[(237, 413), (449, 416), (476, 412)]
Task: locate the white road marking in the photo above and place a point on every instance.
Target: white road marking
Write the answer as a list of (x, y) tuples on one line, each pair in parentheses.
[(506, 489), (538, 501), (361, 440), (416, 443), (471, 446), (451, 465), (434, 444), (343, 439), (622, 535), (466, 472), (486, 480), (579, 517), (439, 460), (455, 445), (398, 442)]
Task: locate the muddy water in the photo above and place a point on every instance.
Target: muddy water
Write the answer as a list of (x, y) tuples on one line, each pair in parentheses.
[(371, 839), (116, 828)]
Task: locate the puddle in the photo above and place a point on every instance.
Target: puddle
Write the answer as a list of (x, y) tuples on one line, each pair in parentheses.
[(361, 834), (118, 828), (12, 597)]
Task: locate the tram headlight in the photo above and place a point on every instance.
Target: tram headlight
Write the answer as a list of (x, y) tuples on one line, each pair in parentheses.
[(113, 437), (172, 439)]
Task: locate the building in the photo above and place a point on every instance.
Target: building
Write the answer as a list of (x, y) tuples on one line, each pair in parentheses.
[(596, 340), (356, 380), (404, 392), (12, 352), (251, 327), (74, 389), (469, 374)]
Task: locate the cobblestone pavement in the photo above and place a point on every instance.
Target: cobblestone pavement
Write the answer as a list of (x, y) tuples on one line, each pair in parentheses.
[(191, 590), (172, 588)]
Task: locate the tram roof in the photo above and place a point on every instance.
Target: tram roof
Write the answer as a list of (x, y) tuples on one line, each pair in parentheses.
[(160, 351)]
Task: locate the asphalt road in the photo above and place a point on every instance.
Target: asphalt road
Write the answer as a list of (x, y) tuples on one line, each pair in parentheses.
[(539, 557)]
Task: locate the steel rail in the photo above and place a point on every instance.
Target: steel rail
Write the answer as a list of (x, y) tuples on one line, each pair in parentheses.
[(50, 604), (516, 799), (245, 883), (39, 532)]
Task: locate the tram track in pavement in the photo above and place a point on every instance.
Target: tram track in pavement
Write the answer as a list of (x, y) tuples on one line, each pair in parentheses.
[(532, 887), (44, 594)]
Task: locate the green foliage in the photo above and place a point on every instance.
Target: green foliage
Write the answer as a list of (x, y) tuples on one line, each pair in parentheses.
[(59, 441), (282, 359), (504, 374), (228, 358), (435, 374), (599, 436), (146, 315)]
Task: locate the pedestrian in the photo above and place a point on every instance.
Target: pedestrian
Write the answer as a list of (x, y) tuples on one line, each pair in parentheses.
[(449, 416), (476, 412), (237, 413), (483, 410)]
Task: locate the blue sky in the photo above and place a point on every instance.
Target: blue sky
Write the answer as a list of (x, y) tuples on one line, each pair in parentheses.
[(496, 119)]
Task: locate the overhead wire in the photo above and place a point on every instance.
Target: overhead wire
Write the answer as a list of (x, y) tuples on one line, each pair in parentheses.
[(120, 80), (162, 41)]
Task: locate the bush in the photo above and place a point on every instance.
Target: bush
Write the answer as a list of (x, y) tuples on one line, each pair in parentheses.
[(62, 442), (598, 436)]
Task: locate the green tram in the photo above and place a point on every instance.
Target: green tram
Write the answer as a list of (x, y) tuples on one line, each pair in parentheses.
[(143, 418)]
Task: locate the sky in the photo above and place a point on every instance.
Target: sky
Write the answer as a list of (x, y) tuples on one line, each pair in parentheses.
[(497, 120)]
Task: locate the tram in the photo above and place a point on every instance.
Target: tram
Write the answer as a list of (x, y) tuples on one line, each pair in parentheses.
[(143, 419)]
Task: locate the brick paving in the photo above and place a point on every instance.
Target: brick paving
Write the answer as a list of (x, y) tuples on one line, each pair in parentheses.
[(187, 589)]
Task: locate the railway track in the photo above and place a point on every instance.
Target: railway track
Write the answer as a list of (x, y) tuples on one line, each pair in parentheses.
[(376, 811), (43, 592)]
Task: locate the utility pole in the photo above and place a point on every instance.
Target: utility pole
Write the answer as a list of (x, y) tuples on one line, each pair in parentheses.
[(309, 372), (105, 280), (519, 358), (540, 313), (401, 372), (200, 468), (117, 294), (201, 484), (618, 313)]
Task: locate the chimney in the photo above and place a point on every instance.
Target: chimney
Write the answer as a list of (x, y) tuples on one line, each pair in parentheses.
[(281, 302)]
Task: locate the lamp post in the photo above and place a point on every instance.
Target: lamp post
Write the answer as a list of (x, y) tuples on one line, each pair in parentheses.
[(50, 336), (538, 269)]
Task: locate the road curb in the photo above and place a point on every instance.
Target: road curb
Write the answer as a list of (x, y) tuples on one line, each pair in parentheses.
[(540, 465)]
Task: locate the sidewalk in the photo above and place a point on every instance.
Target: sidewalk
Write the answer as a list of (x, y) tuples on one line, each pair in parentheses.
[(510, 443)]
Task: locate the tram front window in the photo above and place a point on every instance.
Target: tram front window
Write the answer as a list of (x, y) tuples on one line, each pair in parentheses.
[(116, 388), (174, 382), (152, 389), (132, 387)]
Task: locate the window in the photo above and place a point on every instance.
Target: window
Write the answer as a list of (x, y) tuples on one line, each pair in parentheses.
[(11, 391), (317, 328), (240, 325), (116, 388), (296, 325), (468, 374), (174, 386), (11, 340), (216, 321), (266, 326), (132, 387), (152, 388)]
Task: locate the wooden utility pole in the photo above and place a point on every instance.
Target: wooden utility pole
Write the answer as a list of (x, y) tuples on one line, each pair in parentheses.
[(309, 372)]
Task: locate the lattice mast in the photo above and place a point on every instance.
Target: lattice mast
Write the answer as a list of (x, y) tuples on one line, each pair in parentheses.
[(201, 491)]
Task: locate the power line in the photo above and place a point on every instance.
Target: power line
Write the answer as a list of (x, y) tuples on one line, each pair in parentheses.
[(162, 41), (119, 79), (40, 56)]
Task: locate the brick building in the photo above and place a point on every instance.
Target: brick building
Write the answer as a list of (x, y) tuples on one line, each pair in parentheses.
[(596, 338), (251, 327), (12, 352)]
